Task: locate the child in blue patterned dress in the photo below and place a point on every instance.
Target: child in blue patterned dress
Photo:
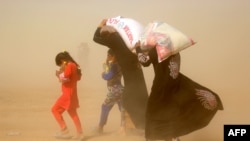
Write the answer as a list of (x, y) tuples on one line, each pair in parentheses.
[(112, 74)]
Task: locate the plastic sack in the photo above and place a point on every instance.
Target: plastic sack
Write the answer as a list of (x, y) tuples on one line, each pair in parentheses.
[(129, 29), (165, 38)]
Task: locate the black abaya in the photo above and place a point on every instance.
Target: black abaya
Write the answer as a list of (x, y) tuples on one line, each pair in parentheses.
[(135, 92), (177, 105)]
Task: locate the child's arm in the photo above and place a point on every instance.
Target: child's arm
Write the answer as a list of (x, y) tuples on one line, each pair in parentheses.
[(61, 75), (110, 73)]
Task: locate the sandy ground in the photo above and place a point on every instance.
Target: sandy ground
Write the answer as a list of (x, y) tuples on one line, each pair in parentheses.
[(26, 116)]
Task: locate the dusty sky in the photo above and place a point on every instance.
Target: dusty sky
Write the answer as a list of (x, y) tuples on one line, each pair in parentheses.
[(32, 32)]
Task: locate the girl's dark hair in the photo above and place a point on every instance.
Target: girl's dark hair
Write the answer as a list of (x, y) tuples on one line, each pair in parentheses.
[(64, 56)]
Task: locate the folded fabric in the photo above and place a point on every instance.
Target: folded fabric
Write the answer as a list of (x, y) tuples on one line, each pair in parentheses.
[(167, 39)]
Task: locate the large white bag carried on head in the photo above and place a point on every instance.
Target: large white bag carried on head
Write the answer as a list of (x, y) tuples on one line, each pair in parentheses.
[(129, 29), (167, 40)]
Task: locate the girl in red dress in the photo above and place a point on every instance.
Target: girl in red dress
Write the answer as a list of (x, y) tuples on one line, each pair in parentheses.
[(68, 75)]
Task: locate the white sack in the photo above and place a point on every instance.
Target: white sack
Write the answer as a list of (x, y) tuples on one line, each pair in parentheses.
[(165, 38), (129, 29)]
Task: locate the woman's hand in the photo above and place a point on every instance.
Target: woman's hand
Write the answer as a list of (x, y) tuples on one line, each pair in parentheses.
[(103, 23), (137, 44)]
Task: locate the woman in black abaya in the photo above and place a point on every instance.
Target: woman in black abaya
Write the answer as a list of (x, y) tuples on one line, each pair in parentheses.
[(177, 105), (135, 92)]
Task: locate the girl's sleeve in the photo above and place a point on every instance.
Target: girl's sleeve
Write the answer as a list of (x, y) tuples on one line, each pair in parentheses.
[(68, 70)]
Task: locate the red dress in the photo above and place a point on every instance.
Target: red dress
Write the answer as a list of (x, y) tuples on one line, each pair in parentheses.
[(69, 98)]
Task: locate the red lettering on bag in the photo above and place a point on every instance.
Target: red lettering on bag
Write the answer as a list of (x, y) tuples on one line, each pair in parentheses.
[(128, 33), (113, 21)]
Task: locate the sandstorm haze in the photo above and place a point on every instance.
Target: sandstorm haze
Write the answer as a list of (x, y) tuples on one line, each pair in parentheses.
[(33, 32)]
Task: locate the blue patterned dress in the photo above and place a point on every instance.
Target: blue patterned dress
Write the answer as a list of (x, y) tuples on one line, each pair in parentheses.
[(112, 74)]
